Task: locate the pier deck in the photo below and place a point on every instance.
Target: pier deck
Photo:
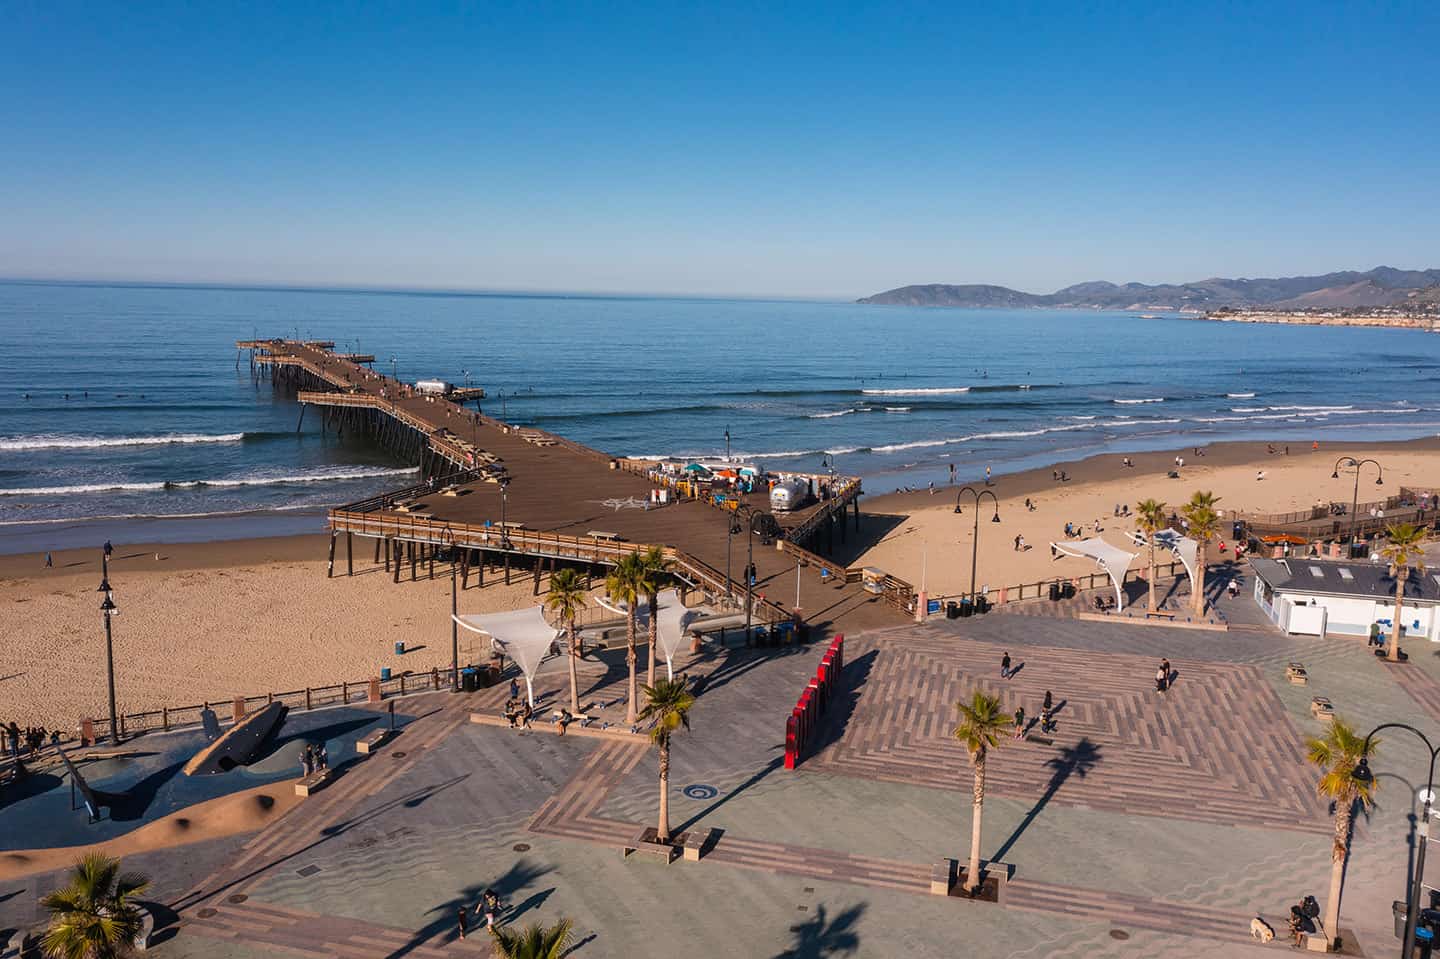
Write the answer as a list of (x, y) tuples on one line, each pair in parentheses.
[(563, 501)]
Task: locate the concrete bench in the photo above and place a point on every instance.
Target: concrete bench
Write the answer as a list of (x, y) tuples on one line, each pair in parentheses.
[(1296, 674), (146, 931), (313, 782), (942, 877), (698, 842), (371, 742), (643, 845)]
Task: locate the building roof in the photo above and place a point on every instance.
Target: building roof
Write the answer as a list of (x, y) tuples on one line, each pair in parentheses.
[(1319, 577)]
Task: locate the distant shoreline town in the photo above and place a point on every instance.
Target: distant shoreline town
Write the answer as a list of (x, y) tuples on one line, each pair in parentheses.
[(1393, 318)]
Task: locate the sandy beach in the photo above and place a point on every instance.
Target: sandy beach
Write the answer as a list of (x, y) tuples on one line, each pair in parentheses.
[(929, 542), (212, 621)]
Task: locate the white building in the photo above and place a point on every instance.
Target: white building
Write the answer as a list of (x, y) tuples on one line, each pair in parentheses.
[(1318, 597)]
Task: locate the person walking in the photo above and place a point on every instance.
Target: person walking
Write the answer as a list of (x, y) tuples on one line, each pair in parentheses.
[(1165, 668), (49, 562), (489, 905), (109, 549), (1020, 723), (1047, 715), (461, 920), (322, 757), (514, 689), (1005, 665), (1161, 679), (12, 733)]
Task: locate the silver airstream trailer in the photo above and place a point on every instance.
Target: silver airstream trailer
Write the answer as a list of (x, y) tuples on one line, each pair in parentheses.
[(789, 494)]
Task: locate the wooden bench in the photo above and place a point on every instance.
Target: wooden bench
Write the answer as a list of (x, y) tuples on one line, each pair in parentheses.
[(642, 844), (1159, 614), (1322, 709), (698, 842), (313, 782), (370, 743), (146, 931), (1296, 674)]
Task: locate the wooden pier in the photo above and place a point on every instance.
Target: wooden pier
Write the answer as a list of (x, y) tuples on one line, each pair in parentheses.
[(523, 501)]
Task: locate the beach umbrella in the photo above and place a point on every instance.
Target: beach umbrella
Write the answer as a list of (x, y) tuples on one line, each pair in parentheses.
[(695, 468)]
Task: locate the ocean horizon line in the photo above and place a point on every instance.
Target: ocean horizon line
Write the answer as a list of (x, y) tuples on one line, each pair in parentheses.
[(436, 292)]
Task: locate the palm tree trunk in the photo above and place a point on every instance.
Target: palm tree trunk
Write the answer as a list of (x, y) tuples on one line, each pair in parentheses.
[(574, 674), (1200, 581), (1150, 585), (1400, 576), (972, 872), (1337, 869), (654, 637), (630, 660), (662, 831)]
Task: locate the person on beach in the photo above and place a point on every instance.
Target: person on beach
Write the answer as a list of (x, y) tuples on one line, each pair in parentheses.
[(48, 561), (461, 921), (1020, 722), (109, 549), (1017, 546), (952, 474), (1162, 680), (987, 477), (1005, 665)]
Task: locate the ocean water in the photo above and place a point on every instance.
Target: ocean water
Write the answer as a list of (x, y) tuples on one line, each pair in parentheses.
[(127, 401)]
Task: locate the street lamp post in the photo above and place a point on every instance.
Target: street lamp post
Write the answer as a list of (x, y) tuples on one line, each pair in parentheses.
[(1351, 462), (977, 495), (454, 629), (1414, 892), (395, 370), (750, 573), (730, 531), (107, 610)]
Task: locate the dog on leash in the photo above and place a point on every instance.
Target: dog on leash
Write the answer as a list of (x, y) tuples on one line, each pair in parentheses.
[(1260, 929)]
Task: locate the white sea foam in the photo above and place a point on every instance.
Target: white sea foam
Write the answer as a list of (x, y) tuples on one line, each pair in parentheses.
[(347, 473), (58, 442), (1241, 396), (897, 409), (919, 391), (1148, 399), (826, 416)]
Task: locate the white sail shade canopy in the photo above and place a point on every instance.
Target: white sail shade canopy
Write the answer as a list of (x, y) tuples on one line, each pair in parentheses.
[(1112, 559), (671, 619), (523, 635)]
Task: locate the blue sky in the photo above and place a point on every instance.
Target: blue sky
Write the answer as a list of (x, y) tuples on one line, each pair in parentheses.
[(758, 149)]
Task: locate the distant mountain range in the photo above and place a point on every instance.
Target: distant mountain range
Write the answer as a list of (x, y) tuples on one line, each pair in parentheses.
[(1382, 286)]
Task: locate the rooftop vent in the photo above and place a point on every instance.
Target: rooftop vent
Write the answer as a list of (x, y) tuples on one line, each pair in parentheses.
[(1345, 574), (1317, 572)]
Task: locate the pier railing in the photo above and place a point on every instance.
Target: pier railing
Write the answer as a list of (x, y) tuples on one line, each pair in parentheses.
[(312, 697)]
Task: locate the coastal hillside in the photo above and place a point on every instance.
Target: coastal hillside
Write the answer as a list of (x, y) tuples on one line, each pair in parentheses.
[(1382, 286)]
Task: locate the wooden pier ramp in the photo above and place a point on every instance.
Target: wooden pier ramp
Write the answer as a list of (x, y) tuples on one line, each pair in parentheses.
[(525, 501)]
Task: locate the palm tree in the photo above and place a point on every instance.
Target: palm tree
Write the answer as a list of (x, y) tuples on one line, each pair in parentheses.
[(533, 942), (1204, 524), (654, 576), (1152, 520), (622, 585), (567, 597), (1337, 756), (92, 916), (982, 723), (668, 703), (1405, 552)]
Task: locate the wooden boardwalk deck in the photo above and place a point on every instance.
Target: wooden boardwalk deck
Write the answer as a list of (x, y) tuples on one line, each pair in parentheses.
[(556, 494)]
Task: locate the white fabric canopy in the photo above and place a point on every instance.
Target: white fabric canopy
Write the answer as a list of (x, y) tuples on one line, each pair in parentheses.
[(1112, 559), (523, 635), (671, 617), (1184, 549)]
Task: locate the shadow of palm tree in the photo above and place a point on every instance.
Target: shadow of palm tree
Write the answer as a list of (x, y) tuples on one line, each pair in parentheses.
[(819, 936), (1076, 760)]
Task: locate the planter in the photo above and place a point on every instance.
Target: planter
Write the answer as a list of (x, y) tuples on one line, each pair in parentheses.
[(645, 844)]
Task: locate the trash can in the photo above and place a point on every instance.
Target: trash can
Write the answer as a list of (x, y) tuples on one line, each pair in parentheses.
[(1359, 550), (1397, 910), (952, 610), (1054, 592), (400, 647), (982, 605), (967, 608), (1067, 590), (469, 679), (384, 673)]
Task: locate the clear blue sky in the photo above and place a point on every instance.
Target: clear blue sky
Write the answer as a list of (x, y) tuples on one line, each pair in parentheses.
[(831, 150)]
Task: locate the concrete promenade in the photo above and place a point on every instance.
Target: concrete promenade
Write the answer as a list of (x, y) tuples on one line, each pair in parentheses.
[(1145, 825)]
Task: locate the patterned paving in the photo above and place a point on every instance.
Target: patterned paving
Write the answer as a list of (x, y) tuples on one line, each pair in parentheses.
[(1218, 747), (1418, 685)]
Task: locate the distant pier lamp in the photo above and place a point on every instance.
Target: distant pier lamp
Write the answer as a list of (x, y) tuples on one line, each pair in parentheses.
[(504, 526), (1350, 462), (976, 496), (395, 370)]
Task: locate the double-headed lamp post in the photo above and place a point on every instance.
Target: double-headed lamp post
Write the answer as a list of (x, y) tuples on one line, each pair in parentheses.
[(977, 496), (107, 610), (749, 571), (1350, 462), (1362, 774), (454, 624)]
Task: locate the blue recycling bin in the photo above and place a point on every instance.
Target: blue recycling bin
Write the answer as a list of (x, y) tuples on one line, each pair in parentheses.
[(384, 673), (400, 647)]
